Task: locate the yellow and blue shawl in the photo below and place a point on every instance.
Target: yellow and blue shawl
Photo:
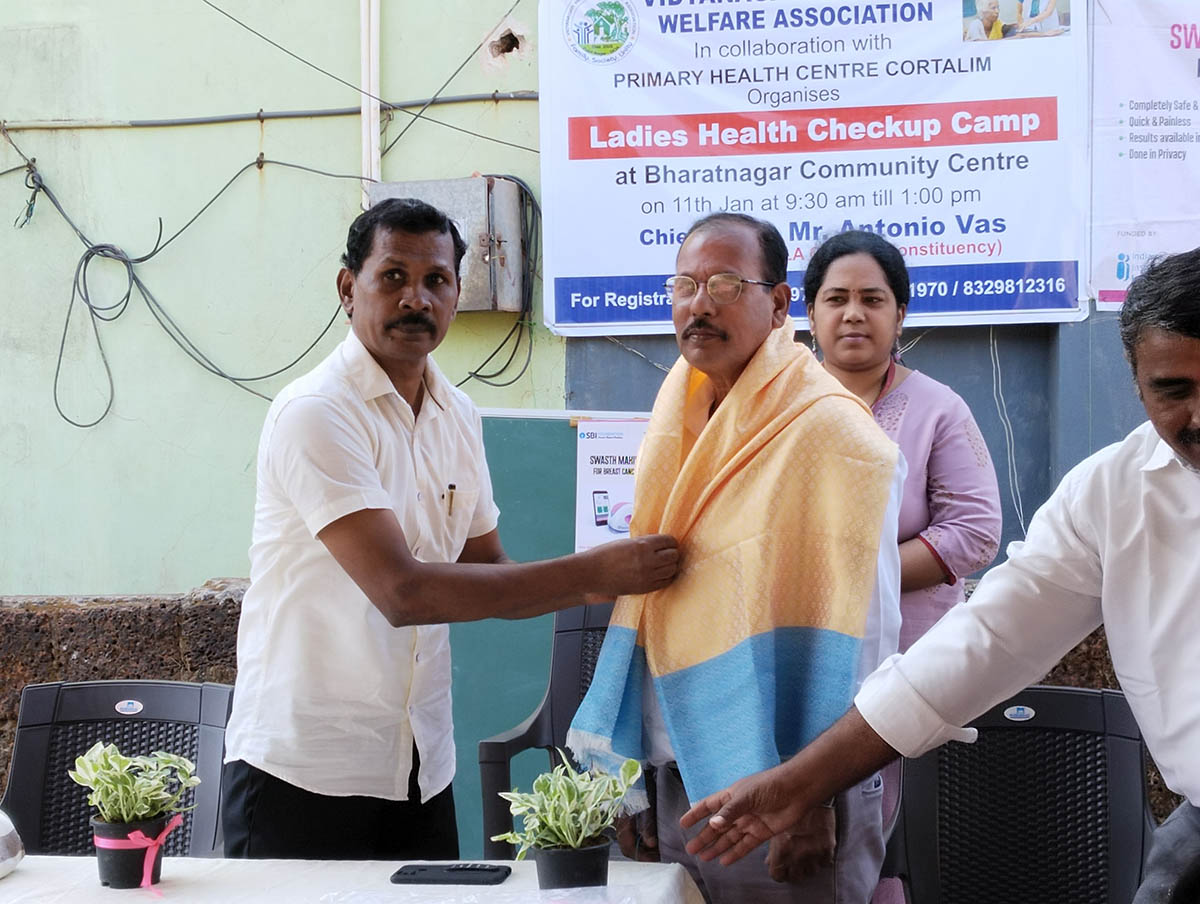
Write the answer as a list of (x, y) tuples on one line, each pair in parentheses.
[(778, 508)]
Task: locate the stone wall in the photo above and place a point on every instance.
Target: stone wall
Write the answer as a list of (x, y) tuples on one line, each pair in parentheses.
[(192, 637), (189, 637)]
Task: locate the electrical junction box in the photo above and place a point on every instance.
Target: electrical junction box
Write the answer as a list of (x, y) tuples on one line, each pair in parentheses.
[(487, 212)]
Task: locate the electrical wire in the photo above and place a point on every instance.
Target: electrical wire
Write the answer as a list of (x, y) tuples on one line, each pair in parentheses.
[(260, 161), (366, 93), (81, 290), (522, 328), (634, 351), (451, 77), (909, 346), (4, 134), (26, 215), (1014, 486), (531, 220)]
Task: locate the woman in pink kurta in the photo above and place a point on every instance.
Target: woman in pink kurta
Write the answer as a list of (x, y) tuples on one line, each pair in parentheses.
[(951, 502), (856, 288)]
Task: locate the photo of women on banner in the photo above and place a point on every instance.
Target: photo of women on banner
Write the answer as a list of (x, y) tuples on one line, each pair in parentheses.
[(994, 20)]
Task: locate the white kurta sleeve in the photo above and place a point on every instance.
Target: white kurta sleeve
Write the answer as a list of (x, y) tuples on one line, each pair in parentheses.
[(1020, 621)]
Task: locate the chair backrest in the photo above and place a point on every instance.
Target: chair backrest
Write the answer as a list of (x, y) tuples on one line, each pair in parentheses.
[(1048, 805), (57, 722), (578, 636)]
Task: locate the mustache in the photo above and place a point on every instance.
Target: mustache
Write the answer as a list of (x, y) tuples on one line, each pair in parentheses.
[(701, 323), (1189, 436), (415, 319)]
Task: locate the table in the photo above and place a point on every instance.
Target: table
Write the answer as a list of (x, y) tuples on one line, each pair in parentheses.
[(192, 880)]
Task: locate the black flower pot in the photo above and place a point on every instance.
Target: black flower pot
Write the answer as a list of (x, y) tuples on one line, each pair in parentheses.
[(572, 867), (124, 868)]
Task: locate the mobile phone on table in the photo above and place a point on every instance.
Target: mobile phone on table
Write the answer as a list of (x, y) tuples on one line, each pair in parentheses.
[(451, 874)]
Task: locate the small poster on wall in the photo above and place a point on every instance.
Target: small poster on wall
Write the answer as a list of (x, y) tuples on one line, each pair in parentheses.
[(1145, 139), (607, 452)]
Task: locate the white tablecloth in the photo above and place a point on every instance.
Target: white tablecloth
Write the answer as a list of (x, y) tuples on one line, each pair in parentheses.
[(187, 880)]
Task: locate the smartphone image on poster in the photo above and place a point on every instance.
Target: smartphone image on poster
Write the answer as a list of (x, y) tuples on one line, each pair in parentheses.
[(600, 507)]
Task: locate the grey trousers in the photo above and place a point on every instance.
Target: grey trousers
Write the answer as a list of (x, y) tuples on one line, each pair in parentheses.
[(850, 880), (1172, 874)]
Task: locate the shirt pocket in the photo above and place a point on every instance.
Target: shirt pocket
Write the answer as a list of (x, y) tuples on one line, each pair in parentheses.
[(458, 510)]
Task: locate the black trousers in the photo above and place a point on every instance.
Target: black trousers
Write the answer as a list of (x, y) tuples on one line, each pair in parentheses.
[(264, 817)]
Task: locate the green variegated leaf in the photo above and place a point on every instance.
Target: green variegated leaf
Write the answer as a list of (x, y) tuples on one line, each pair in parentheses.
[(129, 789), (567, 808), (570, 793), (631, 771)]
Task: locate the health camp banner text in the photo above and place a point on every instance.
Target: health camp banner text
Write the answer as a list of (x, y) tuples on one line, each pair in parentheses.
[(969, 155)]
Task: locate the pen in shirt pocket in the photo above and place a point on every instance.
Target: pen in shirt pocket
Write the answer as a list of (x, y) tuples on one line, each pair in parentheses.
[(450, 499)]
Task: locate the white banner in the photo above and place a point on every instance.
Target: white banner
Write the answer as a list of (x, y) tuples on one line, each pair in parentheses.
[(1146, 139), (607, 451), (967, 154)]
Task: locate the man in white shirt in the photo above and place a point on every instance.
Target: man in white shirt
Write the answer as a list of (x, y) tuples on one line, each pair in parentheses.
[(1116, 544), (374, 526)]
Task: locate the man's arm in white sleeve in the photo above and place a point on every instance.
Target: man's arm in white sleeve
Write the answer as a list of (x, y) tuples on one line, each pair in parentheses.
[(1022, 618)]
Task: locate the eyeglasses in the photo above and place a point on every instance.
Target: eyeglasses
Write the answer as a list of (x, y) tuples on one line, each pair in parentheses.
[(723, 288)]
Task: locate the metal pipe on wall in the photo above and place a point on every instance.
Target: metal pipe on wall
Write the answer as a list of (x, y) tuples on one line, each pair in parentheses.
[(372, 165), (33, 125)]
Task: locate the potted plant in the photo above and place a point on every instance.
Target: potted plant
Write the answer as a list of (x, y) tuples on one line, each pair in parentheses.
[(564, 820), (137, 799)]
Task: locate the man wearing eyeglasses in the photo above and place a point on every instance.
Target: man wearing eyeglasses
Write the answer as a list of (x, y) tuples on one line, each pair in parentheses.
[(783, 494), (1114, 545)]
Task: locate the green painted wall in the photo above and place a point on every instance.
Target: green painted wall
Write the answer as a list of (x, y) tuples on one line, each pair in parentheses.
[(158, 497), (501, 667)]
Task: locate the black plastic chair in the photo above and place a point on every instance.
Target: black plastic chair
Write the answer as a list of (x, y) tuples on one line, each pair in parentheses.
[(57, 722), (578, 636), (1048, 805)]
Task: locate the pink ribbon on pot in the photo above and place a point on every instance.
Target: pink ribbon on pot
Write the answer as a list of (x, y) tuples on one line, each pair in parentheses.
[(139, 839)]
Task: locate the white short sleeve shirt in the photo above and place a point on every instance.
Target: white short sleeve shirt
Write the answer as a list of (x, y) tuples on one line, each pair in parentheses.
[(1116, 544), (329, 696)]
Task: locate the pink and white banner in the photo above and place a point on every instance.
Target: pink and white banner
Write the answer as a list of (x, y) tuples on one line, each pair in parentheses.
[(1145, 139)]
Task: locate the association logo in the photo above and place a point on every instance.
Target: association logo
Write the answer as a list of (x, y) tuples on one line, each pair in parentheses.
[(602, 32)]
